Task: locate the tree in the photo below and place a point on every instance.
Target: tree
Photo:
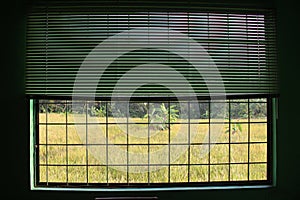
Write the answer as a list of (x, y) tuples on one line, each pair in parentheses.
[(162, 116)]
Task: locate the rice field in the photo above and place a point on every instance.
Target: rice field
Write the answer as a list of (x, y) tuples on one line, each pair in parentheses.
[(82, 149)]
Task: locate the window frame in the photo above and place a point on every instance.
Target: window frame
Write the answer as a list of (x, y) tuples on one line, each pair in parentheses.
[(272, 115)]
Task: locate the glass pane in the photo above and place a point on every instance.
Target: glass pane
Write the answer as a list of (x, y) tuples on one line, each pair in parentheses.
[(77, 118), (117, 134), (219, 172), (140, 177), (55, 116), (76, 134), (199, 154), (258, 172), (42, 113), (42, 154), (199, 112), (179, 112), (57, 174), (199, 173), (57, 154), (77, 155), (138, 133), (96, 112), (97, 174), (219, 153), (258, 100), (239, 133), (179, 133), (96, 134), (179, 154), (116, 176), (178, 174), (97, 154), (218, 133), (42, 134), (238, 111), (159, 154), (238, 172), (239, 153), (77, 174), (158, 113), (138, 112), (258, 112), (118, 112), (159, 137), (258, 132), (199, 133), (138, 154), (43, 173), (56, 134), (117, 155), (258, 152), (159, 174)]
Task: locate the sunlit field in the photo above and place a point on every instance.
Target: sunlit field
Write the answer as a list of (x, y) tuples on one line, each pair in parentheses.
[(87, 150)]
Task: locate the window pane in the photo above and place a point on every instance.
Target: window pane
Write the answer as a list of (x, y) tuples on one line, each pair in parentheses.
[(140, 177), (179, 154), (42, 154), (97, 174), (199, 154), (258, 172), (96, 133), (238, 172), (219, 153), (138, 112), (56, 134), (77, 155), (178, 174), (43, 174), (138, 133), (97, 154), (258, 112), (57, 154), (57, 174), (159, 137), (258, 132), (117, 134), (219, 172), (116, 176), (42, 134), (76, 134), (258, 153), (179, 134), (239, 132), (56, 117), (239, 153), (199, 173), (199, 133), (159, 174), (77, 174), (96, 112), (238, 111)]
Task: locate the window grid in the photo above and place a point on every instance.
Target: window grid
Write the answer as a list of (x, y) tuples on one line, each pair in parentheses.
[(210, 164)]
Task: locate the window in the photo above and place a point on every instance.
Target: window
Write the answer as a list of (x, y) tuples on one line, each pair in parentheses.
[(138, 97), (152, 143)]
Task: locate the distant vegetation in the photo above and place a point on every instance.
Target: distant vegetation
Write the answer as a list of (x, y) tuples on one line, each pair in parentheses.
[(238, 110)]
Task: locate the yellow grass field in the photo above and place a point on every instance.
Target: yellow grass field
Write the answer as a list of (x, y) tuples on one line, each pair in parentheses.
[(78, 153)]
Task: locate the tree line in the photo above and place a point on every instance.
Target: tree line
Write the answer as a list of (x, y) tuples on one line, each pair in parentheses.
[(236, 110)]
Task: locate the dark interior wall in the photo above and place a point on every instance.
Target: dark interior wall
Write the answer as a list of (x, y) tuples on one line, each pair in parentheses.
[(15, 143)]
